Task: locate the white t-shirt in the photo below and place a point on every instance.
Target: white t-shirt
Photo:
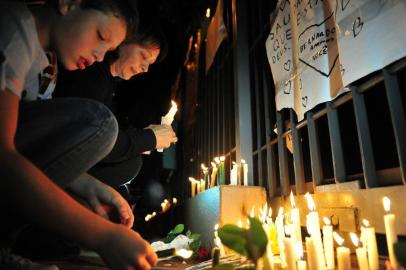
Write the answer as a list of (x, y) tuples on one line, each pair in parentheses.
[(19, 44)]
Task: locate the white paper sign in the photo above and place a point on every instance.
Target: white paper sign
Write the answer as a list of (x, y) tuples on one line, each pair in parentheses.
[(317, 47)]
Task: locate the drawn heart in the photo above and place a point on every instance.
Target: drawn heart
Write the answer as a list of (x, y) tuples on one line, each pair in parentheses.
[(357, 26), (304, 101), (287, 87), (344, 4), (287, 65)]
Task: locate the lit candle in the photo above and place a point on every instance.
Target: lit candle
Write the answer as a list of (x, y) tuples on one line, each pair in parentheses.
[(222, 172), (174, 200), (311, 254), (313, 222), (217, 241), (390, 229), (213, 174), (245, 172), (168, 118), (234, 174), (361, 253), (368, 238), (343, 254), (192, 186), (290, 252), (295, 217), (280, 231), (328, 243), (202, 185), (301, 264)]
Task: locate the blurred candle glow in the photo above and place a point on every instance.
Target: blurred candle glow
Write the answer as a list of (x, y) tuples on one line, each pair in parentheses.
[(361, 253), (390, 229), (343, 254)]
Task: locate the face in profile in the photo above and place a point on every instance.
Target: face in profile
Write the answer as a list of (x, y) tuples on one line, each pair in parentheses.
[(134, 59), (83, 36)]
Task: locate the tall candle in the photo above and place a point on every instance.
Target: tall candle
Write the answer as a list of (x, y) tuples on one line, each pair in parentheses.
[(314, 222), (296, 232), (280, 231), (234, 174), (202, 185), (311, 254), (361, 253), (328, 243), (245, 172), (301, 264), (168, 118), (390, 229), (222, 172), (197, 183), (205, 172), (213, 174), (343, 254), (369, 240), (192, 186), (290, 252)]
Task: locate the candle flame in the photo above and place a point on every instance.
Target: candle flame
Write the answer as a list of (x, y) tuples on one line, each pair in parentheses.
[(217, 160), (204, 168), (216, 227), (234, 163), (338, 238), (174, 105), (148, 217), (386, 204), (166, 201), (192, 179), (213, 165), (292, 200), (252, 213), (243, 161), (208, 13), (354, 239), (222, 158), (310, 202), (184, 253), (280, 212), (174, 201), (326, 221), (365, 222), (153, 214), (239, 224)]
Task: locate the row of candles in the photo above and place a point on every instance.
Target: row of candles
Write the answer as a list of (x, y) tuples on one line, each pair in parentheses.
[(218, 175), (285, 238), (165, 206)]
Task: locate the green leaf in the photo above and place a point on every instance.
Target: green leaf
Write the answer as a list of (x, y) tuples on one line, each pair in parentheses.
[(188, 233), (195, 245), (178, 229), (194, 236), (256, 239), (234, 237), (224, 267), (400, 252)]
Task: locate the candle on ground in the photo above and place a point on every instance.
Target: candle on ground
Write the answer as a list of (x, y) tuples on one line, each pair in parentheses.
[(217, 241), (205, 172), (361, 253), (192, 186), (390, 229), (245, 172), (301, 264), (328, 243), (311, 254), (280, 231), (222, 172), (368, 238), (213, 174), (234, 174), (290, 252), (296, 233), (343, 254), (202, 185)]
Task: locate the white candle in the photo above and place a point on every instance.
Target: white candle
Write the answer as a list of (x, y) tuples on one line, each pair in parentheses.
[(213, 174), (311, 254), (343, 254), (205, 171), (290, 252), (313, 221), (192, 186), (391, 235), (234, 174), (361, 253), (217, 241), (202, 186), (245, 172), (168, 118), (368, 238), (280, 231), (295, 217), (328, 243), (197, 183), (301, 264)]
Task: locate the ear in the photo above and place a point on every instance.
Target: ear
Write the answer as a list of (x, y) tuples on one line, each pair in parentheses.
[(66, 6)]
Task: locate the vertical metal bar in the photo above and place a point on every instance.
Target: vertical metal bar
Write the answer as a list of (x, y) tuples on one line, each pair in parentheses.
[(336, 144), (242, 98), (297, 155), (364, 137), (398, 118), (314, 146), (283, 158), (256, 88)]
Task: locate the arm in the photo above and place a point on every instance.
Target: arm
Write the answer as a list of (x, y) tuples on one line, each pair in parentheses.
[(25, 187)]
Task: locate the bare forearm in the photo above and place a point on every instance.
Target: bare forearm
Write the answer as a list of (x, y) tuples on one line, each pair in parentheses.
[(25, 187)]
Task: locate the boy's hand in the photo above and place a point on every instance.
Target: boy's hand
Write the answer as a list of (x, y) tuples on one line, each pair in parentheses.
[(164, 135)]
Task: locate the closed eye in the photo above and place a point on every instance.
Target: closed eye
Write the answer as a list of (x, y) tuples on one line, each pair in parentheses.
[(100, 36)]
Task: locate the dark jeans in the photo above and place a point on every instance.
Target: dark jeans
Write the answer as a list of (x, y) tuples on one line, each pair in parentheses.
[(64, 138)]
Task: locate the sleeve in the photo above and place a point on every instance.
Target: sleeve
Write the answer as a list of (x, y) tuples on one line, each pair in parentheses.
[(131, 143), (16, 45)]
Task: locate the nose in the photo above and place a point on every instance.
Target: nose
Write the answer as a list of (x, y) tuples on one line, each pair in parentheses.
[(99, 53)]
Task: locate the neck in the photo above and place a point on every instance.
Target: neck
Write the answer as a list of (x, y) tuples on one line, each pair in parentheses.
[(44, 17)]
